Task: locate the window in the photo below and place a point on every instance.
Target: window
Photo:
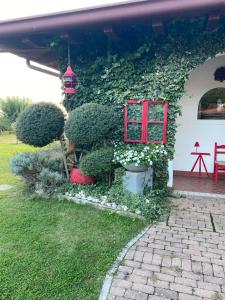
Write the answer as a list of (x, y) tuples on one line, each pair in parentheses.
[(212, 105), (145, 121)]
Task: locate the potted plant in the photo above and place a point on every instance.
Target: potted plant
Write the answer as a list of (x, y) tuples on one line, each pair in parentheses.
[(138, 157)]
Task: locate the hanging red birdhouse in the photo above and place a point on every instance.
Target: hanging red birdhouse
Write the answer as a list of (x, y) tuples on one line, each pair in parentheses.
[(69, 81)]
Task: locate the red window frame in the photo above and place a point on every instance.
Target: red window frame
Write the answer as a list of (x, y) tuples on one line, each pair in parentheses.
[(145, 121)]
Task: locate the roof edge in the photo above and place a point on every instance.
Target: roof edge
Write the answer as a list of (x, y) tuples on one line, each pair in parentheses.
[(119, 12)]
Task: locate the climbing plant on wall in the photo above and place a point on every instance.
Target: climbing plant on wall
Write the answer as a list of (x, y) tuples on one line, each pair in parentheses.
[(142, 65)]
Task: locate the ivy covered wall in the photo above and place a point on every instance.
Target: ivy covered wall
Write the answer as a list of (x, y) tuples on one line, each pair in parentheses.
[(141, 65)]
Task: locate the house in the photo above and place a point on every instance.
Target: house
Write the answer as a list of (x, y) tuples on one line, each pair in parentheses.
[(189, 33)]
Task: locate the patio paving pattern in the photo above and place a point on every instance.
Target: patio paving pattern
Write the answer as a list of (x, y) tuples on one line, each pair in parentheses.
[(199, 184), (182, 258)]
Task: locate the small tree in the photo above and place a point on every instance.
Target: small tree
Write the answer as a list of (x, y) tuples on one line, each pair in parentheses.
[(11, 107), (40, 124), (90, 124)]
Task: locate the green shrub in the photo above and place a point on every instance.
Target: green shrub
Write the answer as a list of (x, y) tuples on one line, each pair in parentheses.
[(98, 162), (13, 106), (90, 123), (4, 124), (152, 205), (40, 170), (40, 124)]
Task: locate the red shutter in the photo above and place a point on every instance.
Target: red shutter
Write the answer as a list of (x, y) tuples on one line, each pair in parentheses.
[(146, 121)]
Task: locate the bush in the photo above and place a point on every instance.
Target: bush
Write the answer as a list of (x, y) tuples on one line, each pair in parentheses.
[(90, 123), (13, 106), (4, 124), (40, 124), (152, 205), (40, 170), (98, 162)]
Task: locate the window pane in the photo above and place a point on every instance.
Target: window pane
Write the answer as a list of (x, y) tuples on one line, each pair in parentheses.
[(134, 131), (212, 105), (155, 132), (134, 112), (156, 111)]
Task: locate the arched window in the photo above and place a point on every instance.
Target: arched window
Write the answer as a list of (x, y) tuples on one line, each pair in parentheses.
[(212, 105)]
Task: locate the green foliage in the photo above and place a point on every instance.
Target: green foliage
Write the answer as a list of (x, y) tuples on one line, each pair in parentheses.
[(40, 170), (90, 123), (13, 106), (153, 204), (40, 124), (154, 67), (4, 124), (98, 162)]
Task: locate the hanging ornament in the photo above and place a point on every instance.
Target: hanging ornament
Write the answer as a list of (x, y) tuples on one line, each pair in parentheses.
[(69, 77)]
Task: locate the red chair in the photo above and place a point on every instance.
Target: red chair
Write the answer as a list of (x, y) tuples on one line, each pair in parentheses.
[(219, 165)]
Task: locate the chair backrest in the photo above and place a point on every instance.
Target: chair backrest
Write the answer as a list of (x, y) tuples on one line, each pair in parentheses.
[(218, 149)]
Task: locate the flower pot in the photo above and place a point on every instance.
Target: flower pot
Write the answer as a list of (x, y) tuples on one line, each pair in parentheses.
[(77, 177), (133, 168)]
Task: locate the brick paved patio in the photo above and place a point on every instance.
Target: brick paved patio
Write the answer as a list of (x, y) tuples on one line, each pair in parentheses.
[(199, 184), (182, 259)]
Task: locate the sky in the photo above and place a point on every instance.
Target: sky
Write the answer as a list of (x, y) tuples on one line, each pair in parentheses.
[(25, 82)]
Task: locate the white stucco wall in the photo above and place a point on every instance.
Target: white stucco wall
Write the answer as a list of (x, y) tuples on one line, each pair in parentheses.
[(190, 130)]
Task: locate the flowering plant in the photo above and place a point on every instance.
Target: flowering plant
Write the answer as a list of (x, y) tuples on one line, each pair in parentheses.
[(138, 154)]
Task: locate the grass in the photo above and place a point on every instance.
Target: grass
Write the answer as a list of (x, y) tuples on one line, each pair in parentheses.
[(51, 249), (9, 147)]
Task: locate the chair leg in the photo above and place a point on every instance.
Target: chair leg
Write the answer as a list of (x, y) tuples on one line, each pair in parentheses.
[(216, 174)]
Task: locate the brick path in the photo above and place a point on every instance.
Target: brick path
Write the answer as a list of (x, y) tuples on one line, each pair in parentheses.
[(183, 259)]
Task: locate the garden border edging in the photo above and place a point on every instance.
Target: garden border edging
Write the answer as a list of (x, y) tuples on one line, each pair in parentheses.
[(109, 275)]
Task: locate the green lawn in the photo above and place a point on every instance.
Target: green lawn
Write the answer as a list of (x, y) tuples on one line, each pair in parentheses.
[(9, 147), (52, 249)]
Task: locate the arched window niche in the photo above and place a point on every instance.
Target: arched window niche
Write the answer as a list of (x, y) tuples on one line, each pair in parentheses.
[(212, 105)]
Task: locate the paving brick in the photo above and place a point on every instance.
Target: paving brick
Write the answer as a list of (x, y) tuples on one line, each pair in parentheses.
[(216, 280), (180, 288), (218, 271), (209, 286), (153, 297), (138, 256), (147, 289), (164, 277), (204, 293), (158, 283), (141, 272), (132, 294), (186, 265), (150, 267), (137, 279), (166, 261), (157, 260), (121, 283), (186, 281), (165, 293), (131, 263), (188, 297), (196, 267), (117, 291), (207, 269), (147, 258)]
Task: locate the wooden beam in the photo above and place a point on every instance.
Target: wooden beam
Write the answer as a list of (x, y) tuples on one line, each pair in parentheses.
[(158, 27), (109, 31), (213, 21), (26, 41), (73, 40)]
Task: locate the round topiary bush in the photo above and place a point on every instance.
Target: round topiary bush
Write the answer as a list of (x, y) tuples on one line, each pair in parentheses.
[(98, 162), (90, 123), (40, 124)]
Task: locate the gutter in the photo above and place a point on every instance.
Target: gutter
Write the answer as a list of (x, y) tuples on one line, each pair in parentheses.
[(42, 70), (130, 11)]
